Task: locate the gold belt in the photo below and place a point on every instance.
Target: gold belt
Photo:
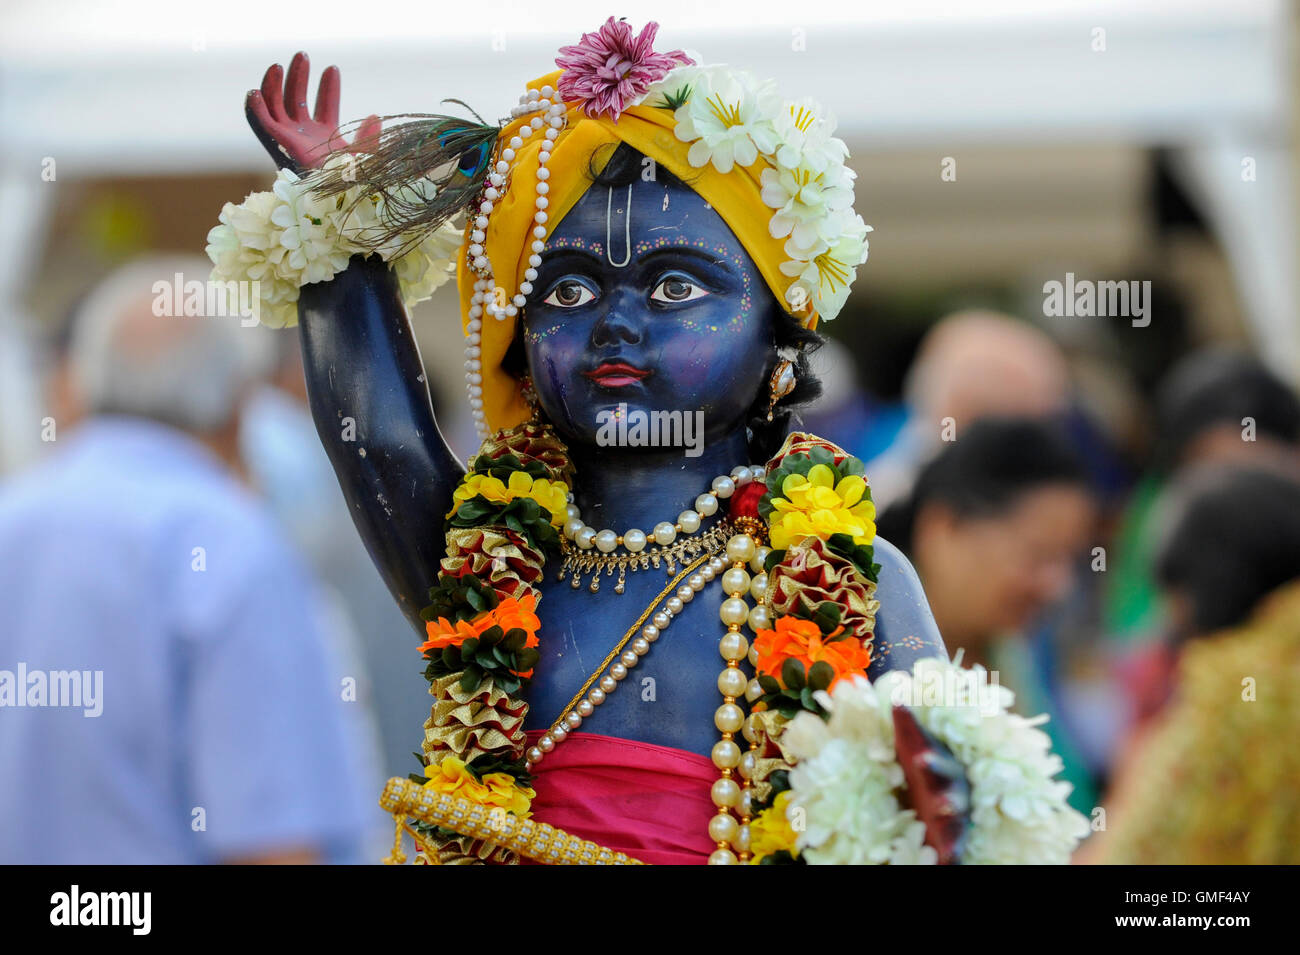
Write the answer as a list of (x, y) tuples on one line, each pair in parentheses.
[(531, 840)]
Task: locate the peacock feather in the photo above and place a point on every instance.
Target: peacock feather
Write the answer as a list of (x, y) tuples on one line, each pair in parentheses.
[(450, 152)]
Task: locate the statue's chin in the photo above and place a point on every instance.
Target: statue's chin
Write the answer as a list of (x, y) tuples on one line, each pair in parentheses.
[(630, 428)]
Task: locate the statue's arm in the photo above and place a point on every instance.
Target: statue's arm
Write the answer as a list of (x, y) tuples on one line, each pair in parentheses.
[(370, 401), (365, 379), (905, 632), (905, 628)]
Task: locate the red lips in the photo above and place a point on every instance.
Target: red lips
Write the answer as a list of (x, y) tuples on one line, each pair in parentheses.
[(616, 374)]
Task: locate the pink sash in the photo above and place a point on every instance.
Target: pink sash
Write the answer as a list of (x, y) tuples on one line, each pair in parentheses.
[(651, 802)]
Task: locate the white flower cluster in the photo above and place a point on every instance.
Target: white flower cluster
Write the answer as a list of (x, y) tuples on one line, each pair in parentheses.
[(290, 237), (844, 784), (732, 118), (845, 781)]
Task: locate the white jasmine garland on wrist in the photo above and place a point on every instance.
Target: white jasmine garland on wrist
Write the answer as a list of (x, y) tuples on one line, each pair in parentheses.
[(289, 237), (846, 780)]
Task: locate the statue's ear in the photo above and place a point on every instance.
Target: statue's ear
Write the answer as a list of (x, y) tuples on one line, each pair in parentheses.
[(515, 361)]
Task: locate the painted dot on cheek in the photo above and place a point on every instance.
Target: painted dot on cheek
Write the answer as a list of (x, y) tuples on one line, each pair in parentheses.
[(534, 336)]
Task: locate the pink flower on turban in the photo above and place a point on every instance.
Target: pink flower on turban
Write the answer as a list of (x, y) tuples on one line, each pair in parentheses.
[(608, 69)]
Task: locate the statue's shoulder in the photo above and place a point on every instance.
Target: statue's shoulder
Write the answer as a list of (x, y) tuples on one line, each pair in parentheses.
[(905, 626), (893, 562)]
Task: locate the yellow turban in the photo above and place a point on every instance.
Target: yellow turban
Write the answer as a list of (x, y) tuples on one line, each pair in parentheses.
[(735, 195)]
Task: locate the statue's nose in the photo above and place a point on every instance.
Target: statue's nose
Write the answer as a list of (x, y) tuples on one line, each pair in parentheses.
[(622, 322)]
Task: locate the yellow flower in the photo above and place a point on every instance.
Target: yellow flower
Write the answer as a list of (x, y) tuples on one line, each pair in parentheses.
[(770, 830), (552, 496), (451, 776), (815, 506)]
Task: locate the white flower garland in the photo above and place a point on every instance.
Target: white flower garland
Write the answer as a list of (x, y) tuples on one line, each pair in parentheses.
[(847, 774), (732, 118), (290, 237)]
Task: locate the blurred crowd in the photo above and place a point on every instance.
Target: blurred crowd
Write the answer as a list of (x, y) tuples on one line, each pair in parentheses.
[(1146, 598), (183, 544), (184, 538)]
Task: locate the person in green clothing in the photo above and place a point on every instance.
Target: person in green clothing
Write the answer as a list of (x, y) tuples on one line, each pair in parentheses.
[(995, 525), (1216, 405)]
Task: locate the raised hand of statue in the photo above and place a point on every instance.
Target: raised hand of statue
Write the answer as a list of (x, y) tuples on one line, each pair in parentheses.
[(296, 138), (365, 380), (940, 792)]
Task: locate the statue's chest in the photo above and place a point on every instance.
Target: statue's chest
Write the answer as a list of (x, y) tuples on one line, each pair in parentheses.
[(668, 696)]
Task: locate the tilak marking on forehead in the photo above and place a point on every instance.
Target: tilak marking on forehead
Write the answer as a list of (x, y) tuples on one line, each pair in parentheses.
[(627, 228)]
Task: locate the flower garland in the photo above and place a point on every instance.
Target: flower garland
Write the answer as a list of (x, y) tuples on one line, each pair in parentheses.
[(482, 629), (821, 732), (818, 599), (290, 237), (846, 781)]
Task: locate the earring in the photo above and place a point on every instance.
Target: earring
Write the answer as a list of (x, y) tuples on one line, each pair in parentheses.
[(782, 384)]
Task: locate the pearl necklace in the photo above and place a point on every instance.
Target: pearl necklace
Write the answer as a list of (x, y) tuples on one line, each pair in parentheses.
[(731, 834), (665, 532), (488, 298), (697, 576), (587, 550), (578, 562)]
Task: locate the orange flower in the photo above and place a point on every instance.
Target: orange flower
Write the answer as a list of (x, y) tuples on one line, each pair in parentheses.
[(509, 614), (797, 639), (442, 633)]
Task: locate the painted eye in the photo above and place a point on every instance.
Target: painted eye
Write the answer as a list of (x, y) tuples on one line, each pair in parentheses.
[(677, 290), (569, 294)]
